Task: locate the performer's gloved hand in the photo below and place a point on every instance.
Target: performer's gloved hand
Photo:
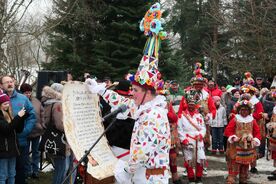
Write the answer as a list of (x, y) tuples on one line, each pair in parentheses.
[(129, 170), (94, 87), (256, 142), (185, 142), (233, 138)]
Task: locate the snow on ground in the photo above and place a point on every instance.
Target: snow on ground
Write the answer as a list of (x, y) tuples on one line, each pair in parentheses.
[(218, 169)]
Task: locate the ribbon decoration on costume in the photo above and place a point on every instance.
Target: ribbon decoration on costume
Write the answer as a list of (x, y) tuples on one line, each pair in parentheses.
[(151, 25)]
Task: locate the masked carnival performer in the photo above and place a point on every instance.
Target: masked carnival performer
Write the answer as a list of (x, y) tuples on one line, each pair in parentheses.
[(248, 92), (191, 130), (243, 137), (206, 104), (150, 141)]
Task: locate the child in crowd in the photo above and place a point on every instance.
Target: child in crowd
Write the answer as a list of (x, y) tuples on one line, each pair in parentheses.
[(9, 126), (217, 126)]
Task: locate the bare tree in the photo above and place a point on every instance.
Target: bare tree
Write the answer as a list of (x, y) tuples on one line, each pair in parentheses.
[(11, 13)]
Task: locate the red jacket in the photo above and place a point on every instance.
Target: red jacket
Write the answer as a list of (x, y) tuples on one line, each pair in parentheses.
[(231, 129), (215, 91)]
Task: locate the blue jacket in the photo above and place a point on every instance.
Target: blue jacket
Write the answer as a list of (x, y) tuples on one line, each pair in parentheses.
[(18, 101)]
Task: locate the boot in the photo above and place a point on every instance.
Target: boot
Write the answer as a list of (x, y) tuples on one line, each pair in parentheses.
[(272, 177), (191, 180), (254, 170), (175, 178), (243, 180), (198, 180), (230, 179)]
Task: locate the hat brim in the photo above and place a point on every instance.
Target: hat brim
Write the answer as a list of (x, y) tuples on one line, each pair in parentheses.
[(145, 86), (124, 93)]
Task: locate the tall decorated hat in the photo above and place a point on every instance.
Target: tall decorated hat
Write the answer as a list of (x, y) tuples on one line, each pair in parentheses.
[(147, 74), (198, 72)]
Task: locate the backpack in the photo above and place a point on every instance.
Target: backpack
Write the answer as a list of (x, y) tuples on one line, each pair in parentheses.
[(53, 141)]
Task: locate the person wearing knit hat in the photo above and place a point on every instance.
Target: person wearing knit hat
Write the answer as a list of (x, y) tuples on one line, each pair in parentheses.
[(243, 137), (18, 101), (148, 163), (9, 126), (217, 126), (36, 133)]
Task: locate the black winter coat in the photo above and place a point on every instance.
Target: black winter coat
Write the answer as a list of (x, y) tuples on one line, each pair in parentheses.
[(8, 140), (120, 133)]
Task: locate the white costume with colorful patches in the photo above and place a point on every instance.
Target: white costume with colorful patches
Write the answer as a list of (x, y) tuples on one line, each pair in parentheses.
[(150, 141)]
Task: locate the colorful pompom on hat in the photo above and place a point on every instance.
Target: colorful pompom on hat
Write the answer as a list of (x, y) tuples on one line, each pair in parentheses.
[(147, 74), (198, 72)]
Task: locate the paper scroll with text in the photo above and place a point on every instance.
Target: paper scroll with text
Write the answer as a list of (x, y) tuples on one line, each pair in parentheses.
[(82, 126)]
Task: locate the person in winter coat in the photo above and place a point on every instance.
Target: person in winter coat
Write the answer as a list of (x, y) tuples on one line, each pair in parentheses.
[(38, 130), (51, 97), (217, 126), (18, 101), (9, 148), (213, 89)]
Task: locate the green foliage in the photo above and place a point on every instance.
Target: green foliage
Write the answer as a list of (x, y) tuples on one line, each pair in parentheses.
[(103, 40), (72, 39)]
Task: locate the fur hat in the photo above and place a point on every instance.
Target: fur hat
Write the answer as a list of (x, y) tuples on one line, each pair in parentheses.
[(57, 87), (4, 98), (25, 87)]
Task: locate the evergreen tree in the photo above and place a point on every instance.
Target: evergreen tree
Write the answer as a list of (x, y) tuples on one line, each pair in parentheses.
[(73, 34), (103, 39), (121, 42)]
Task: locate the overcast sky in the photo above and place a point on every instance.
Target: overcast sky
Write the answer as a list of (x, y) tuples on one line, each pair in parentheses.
[(40, 7)]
